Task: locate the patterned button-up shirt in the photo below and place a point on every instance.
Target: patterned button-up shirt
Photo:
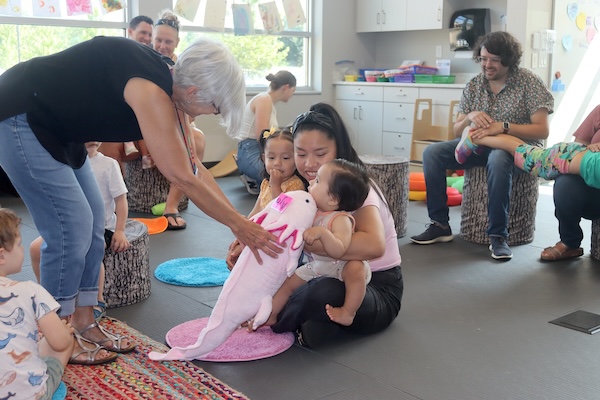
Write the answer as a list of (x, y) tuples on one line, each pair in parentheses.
[(522, 95)]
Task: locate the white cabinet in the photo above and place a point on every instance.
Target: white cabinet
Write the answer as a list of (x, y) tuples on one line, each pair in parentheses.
[(381, 117), (381, 15), (361, 109), (429, 12), (398, 114)]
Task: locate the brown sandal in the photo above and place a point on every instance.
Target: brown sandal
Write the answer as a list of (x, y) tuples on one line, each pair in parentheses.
[(560, 251), (111, 342)]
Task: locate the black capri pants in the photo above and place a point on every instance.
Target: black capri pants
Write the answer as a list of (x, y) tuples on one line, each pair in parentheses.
[(379, 308)]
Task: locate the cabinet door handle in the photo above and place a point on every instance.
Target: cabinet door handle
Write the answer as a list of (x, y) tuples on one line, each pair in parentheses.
[(358, 92), (355, 112), (378, 18), (360, 112), (400, 117), (383, 16), (401, 95), (439, 14)]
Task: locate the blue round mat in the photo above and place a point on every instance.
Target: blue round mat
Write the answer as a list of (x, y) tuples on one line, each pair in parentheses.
[(197, 271), (61, 392)]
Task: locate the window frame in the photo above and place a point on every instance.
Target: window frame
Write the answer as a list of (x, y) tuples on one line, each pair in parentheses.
[(131, 5)]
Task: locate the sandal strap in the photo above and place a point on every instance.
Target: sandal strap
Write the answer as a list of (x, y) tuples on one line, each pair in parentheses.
[(87, 328), (91, 353), (115, 339)]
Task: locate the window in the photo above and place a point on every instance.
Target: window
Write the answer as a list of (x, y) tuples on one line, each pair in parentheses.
[(32, 28), (261, 52)]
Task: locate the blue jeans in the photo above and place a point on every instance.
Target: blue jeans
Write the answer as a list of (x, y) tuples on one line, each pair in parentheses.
[(439, 157), (67, 209), (573, 200), (249, 160)]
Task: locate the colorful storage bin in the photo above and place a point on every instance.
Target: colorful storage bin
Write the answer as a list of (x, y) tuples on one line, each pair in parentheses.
[(434, 78), (420, 69)]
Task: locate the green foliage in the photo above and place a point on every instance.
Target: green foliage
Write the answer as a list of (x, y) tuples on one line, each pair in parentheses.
[(23, 42), (257, 54)]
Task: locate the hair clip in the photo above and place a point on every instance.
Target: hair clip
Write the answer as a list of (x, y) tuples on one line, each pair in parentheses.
[(268, 133)]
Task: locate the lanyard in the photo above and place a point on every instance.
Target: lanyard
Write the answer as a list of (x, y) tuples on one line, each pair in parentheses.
[(188, 145)]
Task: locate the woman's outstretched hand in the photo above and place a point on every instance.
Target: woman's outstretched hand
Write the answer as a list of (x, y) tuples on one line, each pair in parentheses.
[(257, 238)]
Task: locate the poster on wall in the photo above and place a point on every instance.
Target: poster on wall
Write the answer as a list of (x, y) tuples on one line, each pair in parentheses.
[(294, 14), (11, 8), (78, 7), (270, 17), (242, 20), (109, 6), (47, 8), (187, 8), (214, 17)]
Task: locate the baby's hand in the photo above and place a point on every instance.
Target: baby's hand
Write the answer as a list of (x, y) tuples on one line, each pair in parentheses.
[(312, 234), (594, 147)]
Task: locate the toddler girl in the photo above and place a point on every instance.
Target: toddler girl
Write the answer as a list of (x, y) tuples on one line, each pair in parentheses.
[(280, 169), (548, 163)]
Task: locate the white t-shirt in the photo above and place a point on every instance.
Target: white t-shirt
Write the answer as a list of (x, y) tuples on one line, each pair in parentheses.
[(248, 130), (22, 371), (111, 183)]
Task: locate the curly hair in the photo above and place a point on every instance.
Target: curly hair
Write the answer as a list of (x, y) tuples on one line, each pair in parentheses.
[(9, 228), (502, 44)]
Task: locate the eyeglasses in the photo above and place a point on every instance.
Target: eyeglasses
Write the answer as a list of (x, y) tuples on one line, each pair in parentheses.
[(485, 60), (313, 117), (170, 22)]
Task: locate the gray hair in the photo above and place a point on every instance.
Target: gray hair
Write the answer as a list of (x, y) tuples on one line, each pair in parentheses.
[(208, 65)]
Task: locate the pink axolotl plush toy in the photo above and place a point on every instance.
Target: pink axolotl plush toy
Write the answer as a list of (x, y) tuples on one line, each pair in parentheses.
[(248, 291)]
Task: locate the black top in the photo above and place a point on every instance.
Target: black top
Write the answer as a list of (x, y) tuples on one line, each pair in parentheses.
[(76, 96)]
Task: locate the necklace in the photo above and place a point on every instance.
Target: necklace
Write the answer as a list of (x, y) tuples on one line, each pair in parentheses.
[(187, 142)]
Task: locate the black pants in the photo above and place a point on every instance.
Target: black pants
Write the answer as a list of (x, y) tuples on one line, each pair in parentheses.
[(377, 311), (573, 200)]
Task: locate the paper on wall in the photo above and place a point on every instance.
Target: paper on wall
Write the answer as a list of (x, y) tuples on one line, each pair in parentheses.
[(11, 8), (187, 9), (78, 7), (214, 16), (294, 14), (242, 20), (270, 17)]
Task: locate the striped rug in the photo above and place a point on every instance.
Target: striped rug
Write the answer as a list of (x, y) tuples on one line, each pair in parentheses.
[(135, 376)]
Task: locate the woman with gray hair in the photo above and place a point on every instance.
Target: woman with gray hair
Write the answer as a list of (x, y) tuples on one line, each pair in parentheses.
[(110, 89)]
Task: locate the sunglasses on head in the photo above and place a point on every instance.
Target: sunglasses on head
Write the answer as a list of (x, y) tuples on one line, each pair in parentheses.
[(313, 117), (169, 22)]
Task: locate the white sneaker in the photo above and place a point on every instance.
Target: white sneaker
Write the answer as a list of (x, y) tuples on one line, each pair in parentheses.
[(250, 184)]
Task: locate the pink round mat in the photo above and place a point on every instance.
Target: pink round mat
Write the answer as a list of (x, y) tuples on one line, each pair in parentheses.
[(240, 346)]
